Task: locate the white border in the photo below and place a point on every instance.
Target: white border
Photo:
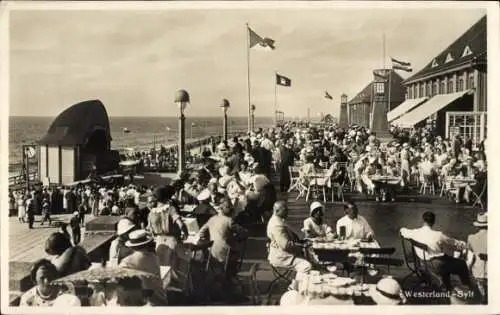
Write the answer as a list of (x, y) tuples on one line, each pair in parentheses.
[(493, 168)]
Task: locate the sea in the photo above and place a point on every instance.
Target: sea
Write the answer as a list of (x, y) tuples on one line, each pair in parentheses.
[(144, 132)]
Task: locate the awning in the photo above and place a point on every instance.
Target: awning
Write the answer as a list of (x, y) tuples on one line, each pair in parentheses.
[(405, 107), (428, 108)]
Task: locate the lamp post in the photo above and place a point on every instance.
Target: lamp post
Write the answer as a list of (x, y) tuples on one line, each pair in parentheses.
[(225, 106), (252, 108), (182, 100)]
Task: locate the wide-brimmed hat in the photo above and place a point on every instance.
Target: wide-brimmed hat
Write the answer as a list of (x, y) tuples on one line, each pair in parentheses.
[(481, 220), (204, 195), (387, 292), (124, 226), (138, 238), (316, 205)]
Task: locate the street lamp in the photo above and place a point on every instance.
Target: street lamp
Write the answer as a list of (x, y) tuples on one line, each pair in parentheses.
[(252, 108), (182, 100), (225, 106)]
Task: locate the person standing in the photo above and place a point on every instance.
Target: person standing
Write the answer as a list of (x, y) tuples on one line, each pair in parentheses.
[(30, 210), (82, 210), (74, 223), (46, 211), (287, 160), (21, 208)]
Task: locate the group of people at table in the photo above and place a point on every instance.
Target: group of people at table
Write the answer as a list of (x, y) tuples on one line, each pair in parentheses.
[(288, 251)]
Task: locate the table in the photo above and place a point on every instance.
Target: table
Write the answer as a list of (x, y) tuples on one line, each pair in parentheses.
[(327, 250), (461, 182), (336, 244), (386, 180)]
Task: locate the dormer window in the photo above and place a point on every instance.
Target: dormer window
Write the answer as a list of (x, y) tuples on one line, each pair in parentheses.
[(448, 58), (467, 51), (434, 63)]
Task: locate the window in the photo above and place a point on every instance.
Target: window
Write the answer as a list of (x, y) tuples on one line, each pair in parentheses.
[(421, 93), (409, 92), (442, 87), (448, 58), (428, 89), (467, 51), (434, 88), (379, 87), (460, 85), (451, 86), (470, 82), (415, 91)]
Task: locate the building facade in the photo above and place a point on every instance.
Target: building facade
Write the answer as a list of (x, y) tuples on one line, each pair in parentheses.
[(452, 85)]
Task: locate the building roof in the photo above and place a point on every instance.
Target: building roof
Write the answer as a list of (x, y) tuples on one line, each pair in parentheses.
[(76, 123), (397, 91), (469, 48)]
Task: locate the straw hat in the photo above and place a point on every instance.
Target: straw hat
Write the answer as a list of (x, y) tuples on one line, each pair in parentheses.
[(204, 195), (481, 220), (67, 300), (291, 297), (387, 292), (316, 205), (124, 226), (138, 238)]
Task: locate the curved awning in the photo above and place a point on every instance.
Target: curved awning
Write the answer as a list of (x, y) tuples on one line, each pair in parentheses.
[(428, 108), (405, 107)]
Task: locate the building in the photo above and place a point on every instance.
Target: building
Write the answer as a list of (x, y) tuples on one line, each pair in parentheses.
[(370, 106), (450, 93), (77, 142)]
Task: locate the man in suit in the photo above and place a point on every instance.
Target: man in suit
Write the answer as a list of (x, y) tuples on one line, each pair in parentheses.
[(286, 249), (287, 160)]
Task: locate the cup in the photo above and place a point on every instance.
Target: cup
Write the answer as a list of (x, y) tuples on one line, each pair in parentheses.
[(342, 232)]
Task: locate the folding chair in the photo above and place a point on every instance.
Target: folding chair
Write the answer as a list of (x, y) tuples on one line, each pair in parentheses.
[(479, 198), (196, 249), (251, 277), (425, 184), (420, 267), (281, 274)]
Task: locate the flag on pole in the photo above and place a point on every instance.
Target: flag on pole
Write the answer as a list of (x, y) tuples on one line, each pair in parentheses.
[(401, 65), (328, 96), (264, 43), (282, 80), (379, 75)]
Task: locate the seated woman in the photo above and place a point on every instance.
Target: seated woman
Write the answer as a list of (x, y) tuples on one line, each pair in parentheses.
[(313, 225), (42, 294), (370, 170), (66, 258), (227, 248)]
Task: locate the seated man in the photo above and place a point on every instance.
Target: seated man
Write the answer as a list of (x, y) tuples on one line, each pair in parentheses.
[(286, 250), (352, 225), (441, 250), (478, 244), (314, 226)]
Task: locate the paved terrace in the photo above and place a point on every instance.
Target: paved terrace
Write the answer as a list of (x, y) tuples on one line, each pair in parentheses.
[(26, 246)]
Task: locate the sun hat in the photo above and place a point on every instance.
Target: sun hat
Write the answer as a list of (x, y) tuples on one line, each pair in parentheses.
[(124, 226), (387, 292), (315, 205), (204, 195), (291, 297), (481, 220), (67, 300), (138, 238)]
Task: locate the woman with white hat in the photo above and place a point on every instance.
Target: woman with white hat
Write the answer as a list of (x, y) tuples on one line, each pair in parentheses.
[(313, 225), (387, 292)]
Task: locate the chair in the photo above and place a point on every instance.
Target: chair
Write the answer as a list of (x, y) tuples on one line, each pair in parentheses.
[(420, 267), (295, 180), (479, 198), (280, 274), (196, 249), (426, 184), (251, 277)]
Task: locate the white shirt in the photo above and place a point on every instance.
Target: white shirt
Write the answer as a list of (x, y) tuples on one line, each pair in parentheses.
[(438, 243), (357, 228)]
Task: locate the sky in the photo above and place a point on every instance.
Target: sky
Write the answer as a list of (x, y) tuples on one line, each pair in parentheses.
[(134, 61)]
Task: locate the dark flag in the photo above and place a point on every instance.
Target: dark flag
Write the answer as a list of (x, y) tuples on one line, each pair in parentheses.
[(401, 65), (379, 75), (282, 80), (328, 96), (264, 43)]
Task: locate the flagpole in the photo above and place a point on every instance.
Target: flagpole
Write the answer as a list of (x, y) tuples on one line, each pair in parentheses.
[(248, 78), (383, 50), (389, 97), (275, 98)]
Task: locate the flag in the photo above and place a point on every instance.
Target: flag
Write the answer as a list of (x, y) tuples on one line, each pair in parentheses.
[(282, 80), (328, 96), (379, 75), (257, 41), (401, 65)]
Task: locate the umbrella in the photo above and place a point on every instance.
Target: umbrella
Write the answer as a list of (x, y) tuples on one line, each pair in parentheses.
[(104, 275)]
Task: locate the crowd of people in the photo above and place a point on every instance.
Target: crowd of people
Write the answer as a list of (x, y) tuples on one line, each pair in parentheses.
[(231, 191)]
